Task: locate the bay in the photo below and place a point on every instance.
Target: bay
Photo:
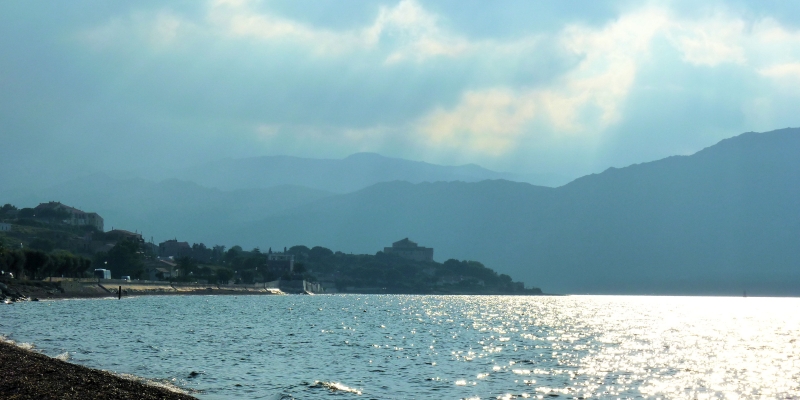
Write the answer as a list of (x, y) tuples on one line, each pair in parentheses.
[(429, 347)]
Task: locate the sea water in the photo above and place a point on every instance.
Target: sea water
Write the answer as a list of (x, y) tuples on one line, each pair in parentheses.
[(429, 347)]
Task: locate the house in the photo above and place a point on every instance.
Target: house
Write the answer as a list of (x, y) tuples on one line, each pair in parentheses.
[(160, 269), (159, 274), (73, 215), (118, 235), (174, 248), (410, 250), (4, 227), (280, 263)]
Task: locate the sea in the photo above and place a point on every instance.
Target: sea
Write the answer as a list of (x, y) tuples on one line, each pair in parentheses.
[(428, 347)]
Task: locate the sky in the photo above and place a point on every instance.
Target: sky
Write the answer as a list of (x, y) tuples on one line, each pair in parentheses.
[(545, 87)]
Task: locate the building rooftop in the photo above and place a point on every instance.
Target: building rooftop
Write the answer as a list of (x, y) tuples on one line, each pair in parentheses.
[(404, 243)]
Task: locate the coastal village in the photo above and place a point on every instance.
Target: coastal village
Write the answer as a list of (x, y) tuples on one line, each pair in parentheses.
[(62, 251)]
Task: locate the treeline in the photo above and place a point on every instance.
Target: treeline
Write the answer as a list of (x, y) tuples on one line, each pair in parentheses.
[(235, 264), (53, 233), (45, 256), (393, 274), (37, 264), (381, 272), (209, 265), (126, 258), (9, 211)]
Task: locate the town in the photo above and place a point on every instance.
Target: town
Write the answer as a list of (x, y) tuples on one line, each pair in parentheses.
[(70, 250)]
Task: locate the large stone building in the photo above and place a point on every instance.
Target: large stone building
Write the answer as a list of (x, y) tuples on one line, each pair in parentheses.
[(410, 250), (74, 216), (280, 263), (174, 248)]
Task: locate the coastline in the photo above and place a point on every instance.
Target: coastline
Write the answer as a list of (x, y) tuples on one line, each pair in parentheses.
[(12, 291), (15, 290), (26, 374)]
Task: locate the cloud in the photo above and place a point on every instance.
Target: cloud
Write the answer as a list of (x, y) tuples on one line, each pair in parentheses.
[(583, 101), (418, 34), (406, 31), (710, 42), (295, 138), (785, 78), (159, 30), (238, 19), (782, 71), (488, 121), (409, 77), (590, 96)]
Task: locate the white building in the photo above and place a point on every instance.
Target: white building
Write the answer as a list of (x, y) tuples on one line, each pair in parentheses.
[(4, 227)]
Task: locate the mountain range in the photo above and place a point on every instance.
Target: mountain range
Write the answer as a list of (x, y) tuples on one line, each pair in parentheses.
[(721, 221), (352, 173)]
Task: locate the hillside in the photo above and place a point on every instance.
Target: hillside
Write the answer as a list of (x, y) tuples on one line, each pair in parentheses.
[(720, 221)]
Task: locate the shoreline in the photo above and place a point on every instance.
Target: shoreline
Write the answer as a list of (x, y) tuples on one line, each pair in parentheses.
[(12, 291), (25, 290), (26, 374)]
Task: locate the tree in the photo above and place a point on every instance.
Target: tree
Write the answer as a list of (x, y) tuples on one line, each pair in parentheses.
[(253, 262), (126, 258), (11, 260), (35, 263), (53, 214), (248, 276), (217, 253), (233, 253), (67, 264), (318, 252), (187, 265), (7, 211), (224, 275), (46, 245), (26, 213), (298, 250), (299, 268)]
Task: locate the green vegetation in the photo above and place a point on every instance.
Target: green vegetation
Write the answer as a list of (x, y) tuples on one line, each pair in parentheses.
[(126, 258), (361, 273), (42, 245), (387, 273), (36, 264), (34, 251)]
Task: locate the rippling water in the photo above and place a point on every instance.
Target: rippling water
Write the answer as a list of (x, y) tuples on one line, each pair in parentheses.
[(430, 347)]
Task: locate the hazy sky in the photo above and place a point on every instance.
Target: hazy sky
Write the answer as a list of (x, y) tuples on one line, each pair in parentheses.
[(523, 86)]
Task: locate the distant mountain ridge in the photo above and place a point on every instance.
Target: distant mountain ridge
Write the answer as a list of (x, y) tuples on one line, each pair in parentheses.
[(352, 173), (721, 221), (171, 208)]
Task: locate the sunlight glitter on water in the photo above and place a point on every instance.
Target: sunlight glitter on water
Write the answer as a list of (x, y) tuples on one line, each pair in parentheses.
[(433, 347)]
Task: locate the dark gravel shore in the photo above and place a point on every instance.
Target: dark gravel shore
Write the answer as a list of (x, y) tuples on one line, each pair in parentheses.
[(28, 375)]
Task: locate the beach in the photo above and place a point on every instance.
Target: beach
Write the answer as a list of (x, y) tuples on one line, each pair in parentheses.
[(25, 374), (12, 290)]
